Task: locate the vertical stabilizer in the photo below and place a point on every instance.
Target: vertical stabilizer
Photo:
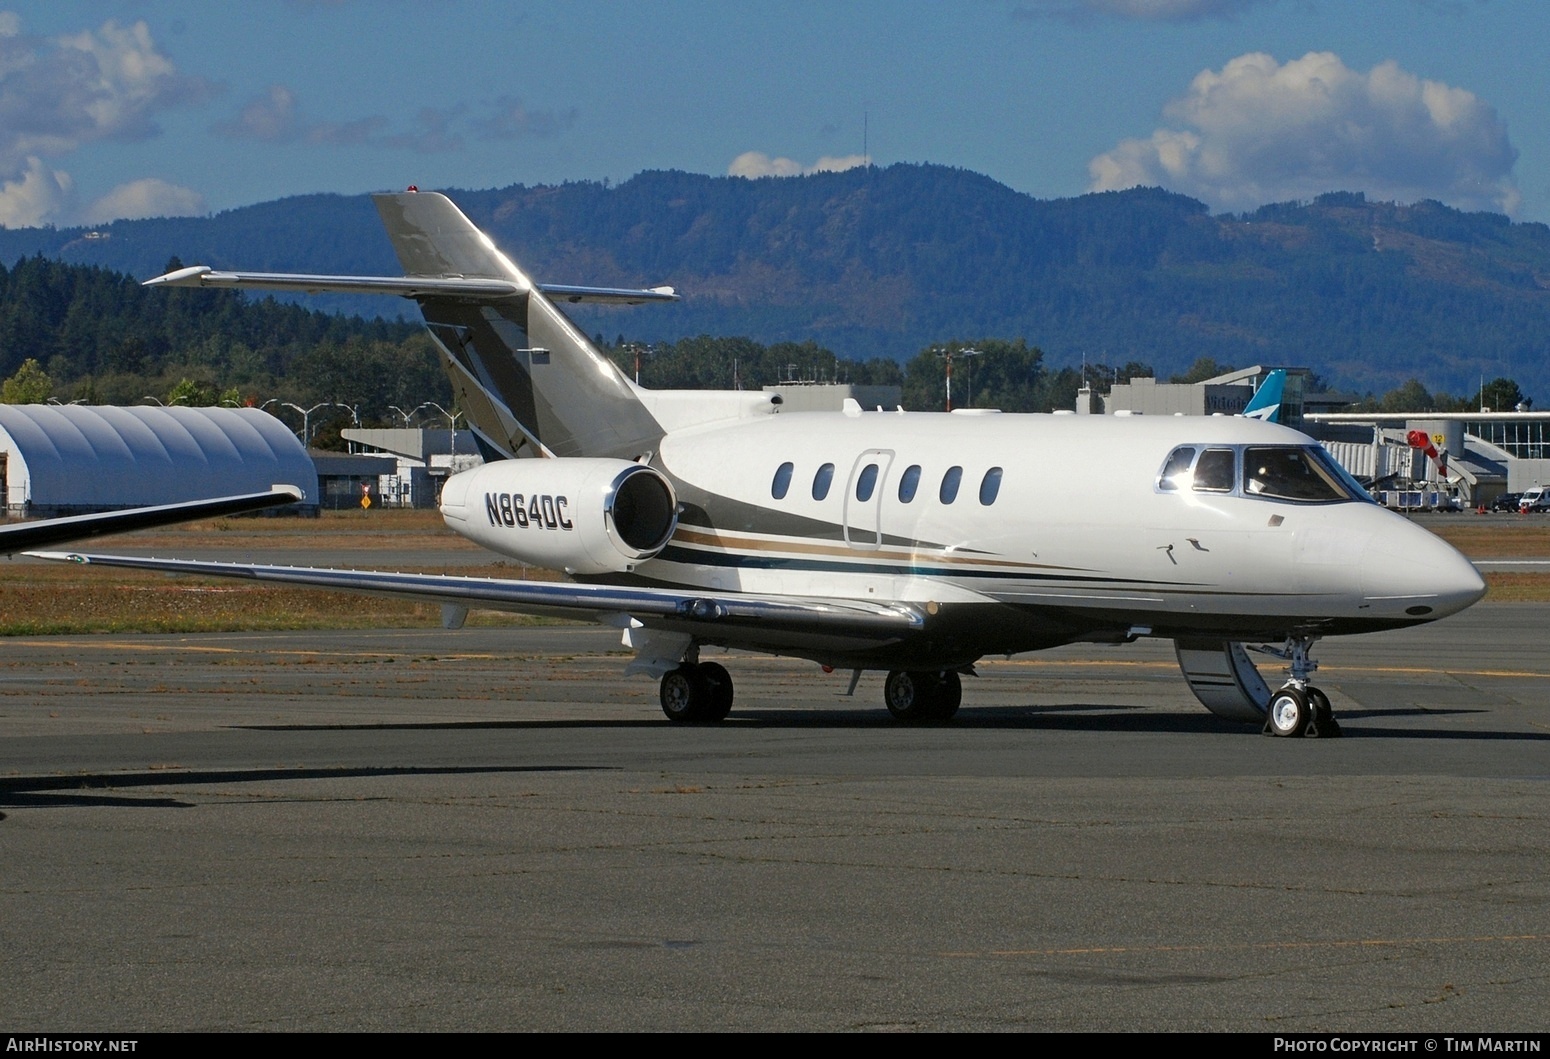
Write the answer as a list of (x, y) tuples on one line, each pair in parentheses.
[(524, 374), (1266, 404)]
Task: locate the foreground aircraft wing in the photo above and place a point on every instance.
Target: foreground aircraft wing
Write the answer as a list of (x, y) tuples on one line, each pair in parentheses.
[(28, 535), (468, 287), (605, 603)]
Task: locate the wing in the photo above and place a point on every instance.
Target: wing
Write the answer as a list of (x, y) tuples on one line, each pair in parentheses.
[(716, 617), (41, 534)]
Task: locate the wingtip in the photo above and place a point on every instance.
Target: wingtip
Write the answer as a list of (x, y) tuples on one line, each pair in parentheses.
[(183, 277)]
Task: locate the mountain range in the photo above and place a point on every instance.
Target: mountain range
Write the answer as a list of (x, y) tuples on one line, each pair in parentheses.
[(887, 261)]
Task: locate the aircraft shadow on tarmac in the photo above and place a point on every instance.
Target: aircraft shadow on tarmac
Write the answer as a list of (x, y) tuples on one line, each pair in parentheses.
[(47, 792), (1075, 717)]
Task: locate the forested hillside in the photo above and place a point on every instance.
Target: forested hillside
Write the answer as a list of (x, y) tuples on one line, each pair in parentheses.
[(100, 336), (884, 262)]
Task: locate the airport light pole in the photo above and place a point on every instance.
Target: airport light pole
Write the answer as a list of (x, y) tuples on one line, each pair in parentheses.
[(969, 375), (637, 349), (948, 355), (306, 418), (452, 418), (355, 418)]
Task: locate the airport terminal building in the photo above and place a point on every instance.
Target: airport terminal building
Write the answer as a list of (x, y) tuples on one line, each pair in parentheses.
[(1488, 453)]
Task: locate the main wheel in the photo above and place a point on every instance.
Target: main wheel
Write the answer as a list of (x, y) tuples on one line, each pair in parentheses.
[(909, 695), (949, 694), (1288, 713), (685, 694), (719, 683)]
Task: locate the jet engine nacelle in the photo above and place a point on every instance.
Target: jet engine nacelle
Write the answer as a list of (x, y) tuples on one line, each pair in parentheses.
[(583, 516)]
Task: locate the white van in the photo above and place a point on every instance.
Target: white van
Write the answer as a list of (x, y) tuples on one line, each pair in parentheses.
[(1535, 499)]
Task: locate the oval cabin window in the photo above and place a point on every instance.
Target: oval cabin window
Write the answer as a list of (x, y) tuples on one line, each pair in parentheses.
[(990, 485), (822, 481), (782, 482)]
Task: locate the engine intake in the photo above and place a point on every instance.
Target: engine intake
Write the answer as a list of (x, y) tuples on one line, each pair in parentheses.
[(583, 516)]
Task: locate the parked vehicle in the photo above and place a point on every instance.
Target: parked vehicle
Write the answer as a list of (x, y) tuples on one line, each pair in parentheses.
[(1536, 500), (1506, 502)]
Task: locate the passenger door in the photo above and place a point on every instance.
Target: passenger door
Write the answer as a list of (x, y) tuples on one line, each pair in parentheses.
[(864, 498)]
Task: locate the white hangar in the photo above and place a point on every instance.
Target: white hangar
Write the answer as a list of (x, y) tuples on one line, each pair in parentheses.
[(70, 459)]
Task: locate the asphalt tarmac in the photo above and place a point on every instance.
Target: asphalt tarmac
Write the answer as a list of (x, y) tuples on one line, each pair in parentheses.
[(496, 830)]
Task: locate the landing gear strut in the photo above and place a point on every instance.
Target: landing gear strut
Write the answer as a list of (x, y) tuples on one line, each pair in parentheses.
[(1299, 708), (697, 691), (922, 695)]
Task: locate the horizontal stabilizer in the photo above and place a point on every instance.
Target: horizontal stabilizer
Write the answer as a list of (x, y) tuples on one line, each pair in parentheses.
[(403, 286)]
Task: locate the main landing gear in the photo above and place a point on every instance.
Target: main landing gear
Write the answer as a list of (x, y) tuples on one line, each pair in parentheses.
[(697, 691), (1299, 708), (922, 695)]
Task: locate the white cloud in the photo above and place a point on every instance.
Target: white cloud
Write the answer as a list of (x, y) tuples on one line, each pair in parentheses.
[(150, 197), (59, 95), (100, 84), (1257, 131), (754, 164), (269, 118), (512, 119), (274, 117), (1136, 10), (34, 195)]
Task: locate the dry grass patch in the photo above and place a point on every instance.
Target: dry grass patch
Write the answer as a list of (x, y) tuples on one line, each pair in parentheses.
[(1495, 536), (1517, 588)]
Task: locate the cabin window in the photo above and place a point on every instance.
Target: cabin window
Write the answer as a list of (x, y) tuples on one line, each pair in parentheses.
[(822, 481), (782, 482), (1214, 471), (950, 482), (1175, 473), (866, 481), (990, 485), (909, 482), (1290, 474)]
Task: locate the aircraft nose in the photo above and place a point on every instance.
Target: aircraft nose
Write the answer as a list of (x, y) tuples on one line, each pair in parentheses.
[(1420, 576)]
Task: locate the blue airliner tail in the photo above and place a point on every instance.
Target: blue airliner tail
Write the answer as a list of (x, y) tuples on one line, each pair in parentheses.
[(1266, 404)]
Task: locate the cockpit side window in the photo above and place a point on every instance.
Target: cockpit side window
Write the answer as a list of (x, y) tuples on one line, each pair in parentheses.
[(1175, 473), (1214, 471), (1290, 473)]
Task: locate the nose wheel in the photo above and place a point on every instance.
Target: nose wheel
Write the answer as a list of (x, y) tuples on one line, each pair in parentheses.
[(1299, 708)]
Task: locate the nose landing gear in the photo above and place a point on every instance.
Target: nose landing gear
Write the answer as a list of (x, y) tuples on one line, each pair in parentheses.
[(1299, 708)]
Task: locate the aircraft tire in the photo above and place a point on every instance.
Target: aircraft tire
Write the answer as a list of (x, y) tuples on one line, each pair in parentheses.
[(949, 695), (918, 695), (685, 694), (719, 702), (1288, 713), (1322, 721)]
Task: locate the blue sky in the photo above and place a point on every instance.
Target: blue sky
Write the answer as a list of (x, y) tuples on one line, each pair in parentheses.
[(115, 108)]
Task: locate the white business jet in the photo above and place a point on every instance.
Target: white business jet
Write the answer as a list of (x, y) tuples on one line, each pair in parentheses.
[(913, 543)]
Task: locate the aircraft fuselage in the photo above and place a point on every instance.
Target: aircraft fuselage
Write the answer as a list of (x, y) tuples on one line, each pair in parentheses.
[(1018, 532)]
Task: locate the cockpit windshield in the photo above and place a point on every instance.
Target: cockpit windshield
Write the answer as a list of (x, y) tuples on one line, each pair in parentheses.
[(1291, 473), (1302, 474)]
